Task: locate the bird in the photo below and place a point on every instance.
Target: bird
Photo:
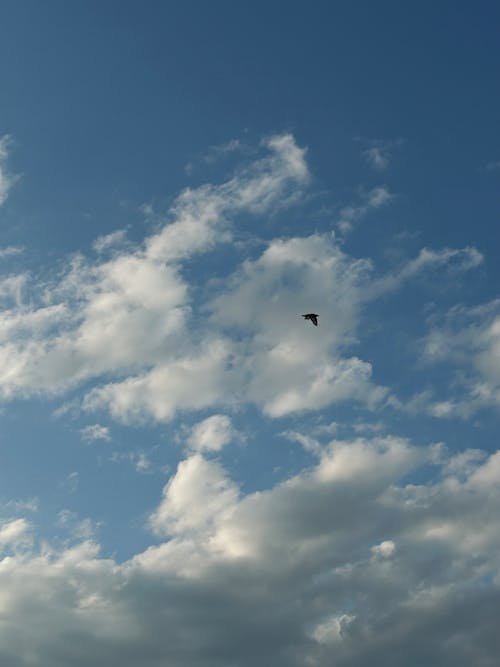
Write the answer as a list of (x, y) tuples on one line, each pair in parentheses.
[(313, 317)]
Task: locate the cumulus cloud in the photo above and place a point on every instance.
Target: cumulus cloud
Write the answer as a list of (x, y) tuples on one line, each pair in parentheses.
[(376, 542), (263, 353), (211, 434), (289, 367), (149, 343), (15, 533), (194, 498), (130, 311), (352, 555), (192, 382)]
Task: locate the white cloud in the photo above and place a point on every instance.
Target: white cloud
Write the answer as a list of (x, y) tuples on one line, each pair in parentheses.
[(211, 434), (354, 556), (200, 216), (11, 290), (451, 259), (135, 317), (77, 529), (288, 366), (148, 343), (129, 313), (190, 383), (384, 550), (377, 157), (111, 240), (308, 443), (11, 251), (27, 505), (70, 482), (94, 432), (197, 495), (140, 460), (378, 153), (373, 199), (462, 259), (264, 353), (469, 339), (15, 534)]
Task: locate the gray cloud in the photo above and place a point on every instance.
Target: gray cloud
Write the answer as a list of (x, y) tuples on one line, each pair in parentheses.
[(345, 558)]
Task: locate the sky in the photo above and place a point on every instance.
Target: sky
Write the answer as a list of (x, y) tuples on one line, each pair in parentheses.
[(190, 472)]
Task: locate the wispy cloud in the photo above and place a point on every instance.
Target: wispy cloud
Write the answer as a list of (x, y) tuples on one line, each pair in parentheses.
[(94, 432), (76, 528), (491, 166), (468, 340), (457, 260), (112, 240), (27, 505), (377, 157), (378, 152), (11, 251), (70, 482), (139, 460), (373, 199), (7, 180), (217, 152)]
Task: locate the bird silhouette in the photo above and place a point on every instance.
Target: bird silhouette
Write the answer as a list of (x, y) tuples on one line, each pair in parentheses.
[(313, 317)]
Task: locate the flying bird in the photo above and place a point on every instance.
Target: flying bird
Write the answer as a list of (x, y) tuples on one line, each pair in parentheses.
[(313, 317)]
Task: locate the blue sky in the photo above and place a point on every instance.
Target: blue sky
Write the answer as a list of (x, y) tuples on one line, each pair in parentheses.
[(191, 473)]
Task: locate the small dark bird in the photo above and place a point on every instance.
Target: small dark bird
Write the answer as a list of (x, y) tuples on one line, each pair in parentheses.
[(313, 317)]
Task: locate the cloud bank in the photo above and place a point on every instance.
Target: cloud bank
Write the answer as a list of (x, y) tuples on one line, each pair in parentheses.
[(344, 559)]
